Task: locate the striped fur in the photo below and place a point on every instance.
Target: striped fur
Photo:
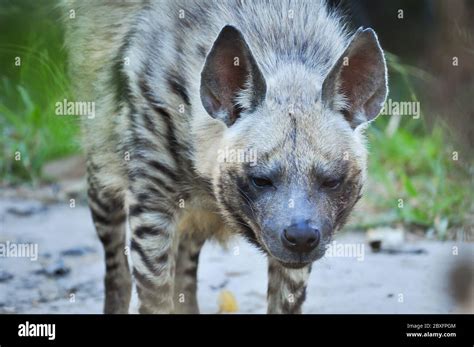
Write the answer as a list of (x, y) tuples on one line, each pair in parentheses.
[(152, 146)]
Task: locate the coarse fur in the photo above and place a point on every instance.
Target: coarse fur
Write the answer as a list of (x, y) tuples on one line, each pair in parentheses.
[(167, 104)]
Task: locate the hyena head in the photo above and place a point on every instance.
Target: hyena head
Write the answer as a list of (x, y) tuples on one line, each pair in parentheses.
[(291, 161)]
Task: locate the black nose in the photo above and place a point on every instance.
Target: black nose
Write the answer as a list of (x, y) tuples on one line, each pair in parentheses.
[(300, 237)]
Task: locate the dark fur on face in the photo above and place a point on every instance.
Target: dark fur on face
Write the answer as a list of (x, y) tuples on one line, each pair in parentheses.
[(309, 172), (307, 134), (262, 213)]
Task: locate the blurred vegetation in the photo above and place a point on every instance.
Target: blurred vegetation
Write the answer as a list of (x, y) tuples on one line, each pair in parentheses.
[(30, 31), (414, 163), (419, 172)]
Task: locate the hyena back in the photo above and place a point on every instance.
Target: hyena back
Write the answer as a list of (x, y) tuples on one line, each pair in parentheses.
[(179, 83)]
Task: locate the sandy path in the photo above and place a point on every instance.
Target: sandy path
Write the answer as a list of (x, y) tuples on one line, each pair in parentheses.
[(380, 283)]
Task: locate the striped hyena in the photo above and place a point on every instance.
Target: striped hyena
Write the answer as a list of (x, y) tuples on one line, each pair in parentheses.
[(182, 87)]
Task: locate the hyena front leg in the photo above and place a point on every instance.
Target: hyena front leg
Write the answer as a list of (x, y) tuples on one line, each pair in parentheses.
[(187, 260), (109, 218), (286, 288), (154, 241)]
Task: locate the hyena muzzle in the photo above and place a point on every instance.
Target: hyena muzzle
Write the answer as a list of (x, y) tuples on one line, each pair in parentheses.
[(186, 91)]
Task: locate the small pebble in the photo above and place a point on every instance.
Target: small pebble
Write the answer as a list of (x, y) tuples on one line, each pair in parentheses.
[(55, 269), (77, 251), (5, 276), (227, 302), (25, 211)]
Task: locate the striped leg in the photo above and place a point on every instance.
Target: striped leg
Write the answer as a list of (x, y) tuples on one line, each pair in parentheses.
[(109, 219), (154, 242), (187, 260), (286, 288)]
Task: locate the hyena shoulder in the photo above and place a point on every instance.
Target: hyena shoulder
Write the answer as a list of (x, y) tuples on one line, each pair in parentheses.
[(94, 35)]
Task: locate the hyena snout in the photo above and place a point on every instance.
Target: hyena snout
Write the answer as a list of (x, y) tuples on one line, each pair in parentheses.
[(298, 242), (301, 237)]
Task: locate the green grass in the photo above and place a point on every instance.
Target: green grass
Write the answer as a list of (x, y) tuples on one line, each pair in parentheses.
[(28, 93), (435, 188), (415, 164)]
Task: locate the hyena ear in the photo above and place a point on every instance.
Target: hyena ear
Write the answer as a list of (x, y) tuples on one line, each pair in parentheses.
[(360, 78), (231, 82)]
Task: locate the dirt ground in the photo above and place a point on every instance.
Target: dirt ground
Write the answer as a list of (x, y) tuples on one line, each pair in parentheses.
[(67, 276)]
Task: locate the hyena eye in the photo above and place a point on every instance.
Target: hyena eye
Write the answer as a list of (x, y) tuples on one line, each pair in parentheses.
[(261, 182), (331, 184)]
